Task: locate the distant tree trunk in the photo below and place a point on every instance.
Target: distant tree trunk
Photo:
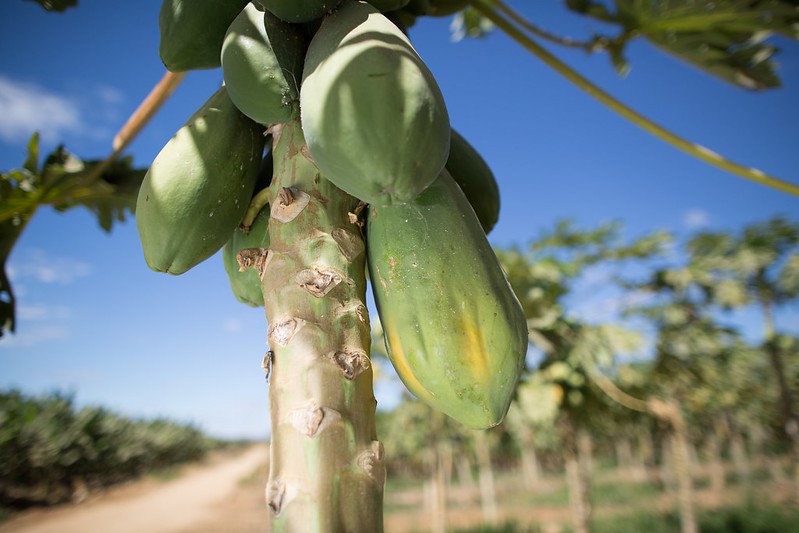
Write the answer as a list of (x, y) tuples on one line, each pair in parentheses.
[(464, 468), (624, 456), (788, 410), (740, 458), (644, 456), (763, 457), (531, 469), (439, 495), (488, 494), (446, 462), (667, 474), (681, 456), (438, 483), (585, 455), (715, 465), (578, 478)]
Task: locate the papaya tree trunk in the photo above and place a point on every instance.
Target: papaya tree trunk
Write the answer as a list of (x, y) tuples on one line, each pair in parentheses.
[(464, 468), (740, 457), (644, 456), (488, 493), (438, 480), (670, 411), (585, 456), (787, 406), (440, 491), (531, 467), (715, 466), (624, 456), (326, 468), (577, 480)]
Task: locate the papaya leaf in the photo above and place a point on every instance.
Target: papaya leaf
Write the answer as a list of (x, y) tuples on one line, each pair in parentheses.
[(591, 8), (56, 5), (32, 162), (10, 230), (111, 196), (107, 189), (725, 38)]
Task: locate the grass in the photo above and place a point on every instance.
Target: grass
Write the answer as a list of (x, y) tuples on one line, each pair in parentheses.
[(749, 518)]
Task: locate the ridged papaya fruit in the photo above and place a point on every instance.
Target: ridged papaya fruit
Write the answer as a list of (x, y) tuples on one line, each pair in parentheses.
[(476, 180), (192, 32), (246, 285), (373, 116), (198, 187), (402, 19), (388, 5), (262, 59), (455, 331), (299, 10), (418, 7)]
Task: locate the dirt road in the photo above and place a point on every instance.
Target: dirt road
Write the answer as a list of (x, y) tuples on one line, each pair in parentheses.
[(187, 504)]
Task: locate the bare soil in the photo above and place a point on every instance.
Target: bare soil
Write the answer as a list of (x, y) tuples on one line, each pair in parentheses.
[(202, 498)]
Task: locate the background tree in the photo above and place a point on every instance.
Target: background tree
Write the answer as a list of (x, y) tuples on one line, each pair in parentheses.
[(759, 267)]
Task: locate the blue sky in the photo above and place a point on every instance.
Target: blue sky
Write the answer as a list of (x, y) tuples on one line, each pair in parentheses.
[(95, 321)]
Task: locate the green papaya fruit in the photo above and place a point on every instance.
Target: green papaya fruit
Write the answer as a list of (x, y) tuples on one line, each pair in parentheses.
[(388, 5), (476, 180), (402, 19), (198, 187), (455, 331), (373, 115), (418, 7), (299, 10), (443, 8), (262, 59), (192, 32), (246, 285)]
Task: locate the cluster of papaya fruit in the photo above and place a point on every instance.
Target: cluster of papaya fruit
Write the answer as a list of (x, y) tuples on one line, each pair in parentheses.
[(377, 127)]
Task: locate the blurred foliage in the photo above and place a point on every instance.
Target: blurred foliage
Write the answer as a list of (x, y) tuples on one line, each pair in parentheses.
[(724, 38), (49, 449), (63, 181)]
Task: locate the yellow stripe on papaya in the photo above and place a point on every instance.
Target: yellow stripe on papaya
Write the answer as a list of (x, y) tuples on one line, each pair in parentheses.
[(401, 365), (474, 350)]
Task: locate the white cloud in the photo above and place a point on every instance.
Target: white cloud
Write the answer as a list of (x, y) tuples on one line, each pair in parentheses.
[(91, 111), (27, 335), (43, 267), (695, 219), (232, 325), (27, 107), (110, 95), (42, 312)]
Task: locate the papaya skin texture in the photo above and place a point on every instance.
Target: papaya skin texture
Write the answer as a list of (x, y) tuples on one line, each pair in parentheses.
[(455, 332), (373, 115), (246, 284), (192, 31), (262, 59), (444, 8), (388, 5), (198, 187), (298, 10)]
